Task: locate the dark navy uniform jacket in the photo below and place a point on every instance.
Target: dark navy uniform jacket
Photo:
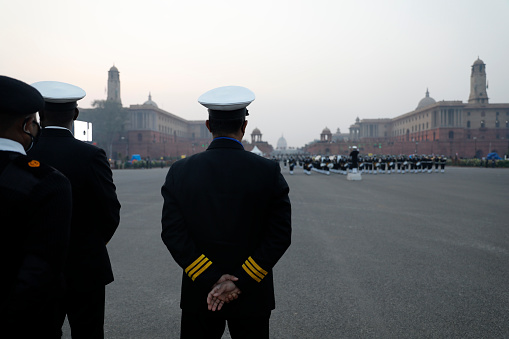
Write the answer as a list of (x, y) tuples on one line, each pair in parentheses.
[(95, 213), (226, 210), (35, 209)]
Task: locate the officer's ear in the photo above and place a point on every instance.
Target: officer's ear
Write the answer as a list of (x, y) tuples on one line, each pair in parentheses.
[(76, 113), (42, 118), (244, 125), (208, 125)]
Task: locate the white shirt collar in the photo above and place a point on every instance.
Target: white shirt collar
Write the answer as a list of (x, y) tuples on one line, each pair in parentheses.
[(57, 127), (11, 145)]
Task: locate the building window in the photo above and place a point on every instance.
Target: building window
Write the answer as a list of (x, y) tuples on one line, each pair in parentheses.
[(498, 114), (506, 123), (140, 137), (483, 114), (468, 136), (468, 113), (451, 134), (468, 124), (482, 123), (497, 123), (498, 136)]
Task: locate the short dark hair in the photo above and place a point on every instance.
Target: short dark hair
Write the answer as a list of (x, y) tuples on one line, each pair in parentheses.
[(220, 127), (58, 117)]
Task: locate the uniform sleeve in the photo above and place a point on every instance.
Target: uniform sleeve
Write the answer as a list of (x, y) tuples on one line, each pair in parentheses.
[(177, 239), (108, 203), (46, 243), (275, 241)]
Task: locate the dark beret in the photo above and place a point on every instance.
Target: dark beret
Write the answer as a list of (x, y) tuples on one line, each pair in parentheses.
[(18, 98)]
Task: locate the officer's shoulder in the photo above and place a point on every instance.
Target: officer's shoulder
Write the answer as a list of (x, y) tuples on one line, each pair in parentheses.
[(24, 173), (260, 160), (88, 147), (33, 166)]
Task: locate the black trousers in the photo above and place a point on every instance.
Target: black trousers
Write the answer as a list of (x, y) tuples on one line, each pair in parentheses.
[(84, 308), (212, 325)]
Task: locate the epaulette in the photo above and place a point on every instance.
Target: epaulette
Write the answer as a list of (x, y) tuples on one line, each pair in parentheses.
[(33, 166), (22, 174)]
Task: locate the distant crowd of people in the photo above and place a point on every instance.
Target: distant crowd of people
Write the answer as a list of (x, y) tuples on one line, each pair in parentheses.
[(367, 164)]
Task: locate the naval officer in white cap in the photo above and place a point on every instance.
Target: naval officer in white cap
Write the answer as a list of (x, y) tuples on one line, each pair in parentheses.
[(95, 208), (226, 222)]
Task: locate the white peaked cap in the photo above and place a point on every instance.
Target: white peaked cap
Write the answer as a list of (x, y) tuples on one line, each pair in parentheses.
[(59, 92), (227, 98)]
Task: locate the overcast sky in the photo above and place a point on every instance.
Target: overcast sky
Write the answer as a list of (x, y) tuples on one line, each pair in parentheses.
[(311, 64)]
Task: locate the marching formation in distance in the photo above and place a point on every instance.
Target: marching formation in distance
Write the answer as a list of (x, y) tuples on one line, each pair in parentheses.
[(367, 164)]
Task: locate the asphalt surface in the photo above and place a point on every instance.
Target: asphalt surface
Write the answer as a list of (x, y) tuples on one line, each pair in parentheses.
[(391, 256)]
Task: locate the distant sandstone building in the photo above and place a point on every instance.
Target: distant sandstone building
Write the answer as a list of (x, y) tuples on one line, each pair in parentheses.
[(256, 140), (154, 133), (451, 128)]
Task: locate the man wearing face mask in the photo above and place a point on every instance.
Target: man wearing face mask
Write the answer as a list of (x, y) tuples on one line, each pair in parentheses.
[(95, 210), (35, 205)]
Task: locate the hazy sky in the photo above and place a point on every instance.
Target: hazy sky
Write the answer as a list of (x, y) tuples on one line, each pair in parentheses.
[(311, 64)]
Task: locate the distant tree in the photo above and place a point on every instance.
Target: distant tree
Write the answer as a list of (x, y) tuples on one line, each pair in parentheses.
[(108, 120)]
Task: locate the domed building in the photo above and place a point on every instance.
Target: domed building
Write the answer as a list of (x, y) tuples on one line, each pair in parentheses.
[(256, 141), (326, 135), (147, 129), (450, 127), (256, 136), (281, 144), (426, 101), (338, 136), (149, 102)]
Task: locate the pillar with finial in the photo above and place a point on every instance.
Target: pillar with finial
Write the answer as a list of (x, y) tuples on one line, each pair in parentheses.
[(478, 86), (114, 85)]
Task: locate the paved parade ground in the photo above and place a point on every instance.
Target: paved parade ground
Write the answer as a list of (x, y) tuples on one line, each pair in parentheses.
[(391, 256)]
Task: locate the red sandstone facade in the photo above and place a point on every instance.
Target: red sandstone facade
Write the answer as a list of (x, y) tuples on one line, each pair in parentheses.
[(450, 128)]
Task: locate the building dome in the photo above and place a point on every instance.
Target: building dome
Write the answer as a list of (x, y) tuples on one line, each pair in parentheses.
[(426, 101), (256, 131), (281, 143), (479, 62), (113, 69), (326, 131), (149, 102)]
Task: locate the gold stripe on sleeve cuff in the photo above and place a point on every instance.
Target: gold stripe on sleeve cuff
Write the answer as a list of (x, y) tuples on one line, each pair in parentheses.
[(256, 266), (201, 270), (261, 276), (251, 273), (195, 262), (254, 270), (198, 267)]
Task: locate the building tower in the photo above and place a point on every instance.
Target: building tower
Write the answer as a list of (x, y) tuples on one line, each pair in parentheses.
[(256, 136), (114, 85), (478, 93), (326, 135)]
